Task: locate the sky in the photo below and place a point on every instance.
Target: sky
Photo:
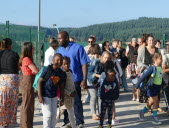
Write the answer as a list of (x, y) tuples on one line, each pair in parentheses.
[(80, 13)]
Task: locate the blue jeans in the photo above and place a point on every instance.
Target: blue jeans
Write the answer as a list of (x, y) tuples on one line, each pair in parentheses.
[(78, 107), (124, 82)]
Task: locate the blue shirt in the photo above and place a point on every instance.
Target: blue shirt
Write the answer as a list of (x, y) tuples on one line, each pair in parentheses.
[(78, 57), (49, 88)]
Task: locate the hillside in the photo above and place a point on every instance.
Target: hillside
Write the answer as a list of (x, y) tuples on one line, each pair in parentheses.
[(124, 30)]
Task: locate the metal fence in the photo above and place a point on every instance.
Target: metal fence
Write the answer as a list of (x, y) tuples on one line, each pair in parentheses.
[(20, 34)]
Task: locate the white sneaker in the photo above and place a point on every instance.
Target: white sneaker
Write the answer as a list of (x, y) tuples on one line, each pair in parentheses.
[(115, 121)]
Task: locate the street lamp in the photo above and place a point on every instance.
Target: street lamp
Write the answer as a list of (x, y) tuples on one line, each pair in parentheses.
[(39, 16), (54, 25)]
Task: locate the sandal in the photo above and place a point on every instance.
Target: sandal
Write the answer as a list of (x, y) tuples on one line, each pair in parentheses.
[(95, 117)]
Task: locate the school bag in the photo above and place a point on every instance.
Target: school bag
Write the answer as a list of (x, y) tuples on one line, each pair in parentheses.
[(147, 82), (47, 76)]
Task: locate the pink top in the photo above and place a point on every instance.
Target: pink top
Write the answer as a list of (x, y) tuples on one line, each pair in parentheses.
[(25, 69)]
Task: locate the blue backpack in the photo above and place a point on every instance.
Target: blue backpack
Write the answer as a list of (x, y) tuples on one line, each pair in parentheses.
[(148, 81)]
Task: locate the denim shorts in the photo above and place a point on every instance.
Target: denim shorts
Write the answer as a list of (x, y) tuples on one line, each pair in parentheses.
[(153, 90)]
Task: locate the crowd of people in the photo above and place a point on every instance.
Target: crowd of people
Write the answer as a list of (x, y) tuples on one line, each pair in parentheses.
[(102, 70)]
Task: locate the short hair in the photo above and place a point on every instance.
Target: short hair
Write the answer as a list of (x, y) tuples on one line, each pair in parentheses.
[(54, 44), (64, 33), (91, 38), (108, 66), (58, 54)]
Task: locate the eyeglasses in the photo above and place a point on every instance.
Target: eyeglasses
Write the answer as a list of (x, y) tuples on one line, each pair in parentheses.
[(90, 41)]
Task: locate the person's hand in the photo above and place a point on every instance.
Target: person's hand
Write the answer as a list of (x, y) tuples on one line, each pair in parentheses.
[(73, 94), (41, 100), (62, 102), (83, 84)]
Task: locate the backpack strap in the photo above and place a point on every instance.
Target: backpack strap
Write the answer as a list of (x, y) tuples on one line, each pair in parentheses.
[(48, 74)]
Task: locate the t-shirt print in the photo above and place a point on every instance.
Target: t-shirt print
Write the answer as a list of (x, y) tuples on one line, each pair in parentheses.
[(55, 79), (109, 87)]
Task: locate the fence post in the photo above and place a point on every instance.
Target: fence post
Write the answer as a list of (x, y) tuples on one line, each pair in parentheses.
[(30, 34), (164, 40), (7, 28)]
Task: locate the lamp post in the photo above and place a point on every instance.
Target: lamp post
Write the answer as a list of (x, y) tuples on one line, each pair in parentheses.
[(54, 25), (39, 15)]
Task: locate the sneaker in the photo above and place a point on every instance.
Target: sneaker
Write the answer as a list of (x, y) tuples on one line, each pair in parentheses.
[(80, 126), (114, 122), (109, 126), (133, 99), (141, 116), (156, 121), (137, 100)]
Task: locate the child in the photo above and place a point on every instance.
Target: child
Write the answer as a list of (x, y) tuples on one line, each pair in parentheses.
[(154, 90), (109, 91), (69, 91), (47, 90)]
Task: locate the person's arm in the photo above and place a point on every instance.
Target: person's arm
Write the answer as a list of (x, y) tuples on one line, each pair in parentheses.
[(127, 50), (119, 69), (84, 60), (84, 82), (34, 69), (144, 76), (40, 98), (62, 86), (140, 59), (165, 69)]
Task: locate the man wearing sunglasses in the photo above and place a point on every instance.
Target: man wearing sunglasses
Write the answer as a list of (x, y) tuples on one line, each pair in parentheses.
[(91, 41)]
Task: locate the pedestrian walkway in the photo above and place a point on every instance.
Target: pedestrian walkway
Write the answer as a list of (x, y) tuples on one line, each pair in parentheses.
[(127, 113)]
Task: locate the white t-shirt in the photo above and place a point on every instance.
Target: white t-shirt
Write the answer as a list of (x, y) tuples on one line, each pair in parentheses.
[(50, 52)]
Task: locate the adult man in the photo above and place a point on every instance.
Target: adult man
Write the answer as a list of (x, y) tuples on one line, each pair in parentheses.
[(139, 41), (90, 41), (79, 60)]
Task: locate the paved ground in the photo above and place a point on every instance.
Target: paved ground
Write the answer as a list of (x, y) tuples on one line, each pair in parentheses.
[(127, 113)]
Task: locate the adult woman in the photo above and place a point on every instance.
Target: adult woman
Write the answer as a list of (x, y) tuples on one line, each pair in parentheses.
[(106, 46), (145, 54), (28, 70), (94, 72), (9, 81)]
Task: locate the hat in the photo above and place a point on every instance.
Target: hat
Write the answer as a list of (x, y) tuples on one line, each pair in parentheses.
[(134, 40)]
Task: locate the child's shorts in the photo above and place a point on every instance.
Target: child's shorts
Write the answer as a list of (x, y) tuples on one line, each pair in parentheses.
[(153, 90)]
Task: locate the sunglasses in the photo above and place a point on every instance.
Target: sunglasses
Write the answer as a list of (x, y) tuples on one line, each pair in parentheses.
[(90, 41)]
